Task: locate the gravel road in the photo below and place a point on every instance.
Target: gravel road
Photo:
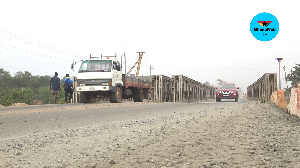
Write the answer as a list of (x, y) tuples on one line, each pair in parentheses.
[(204, 134)]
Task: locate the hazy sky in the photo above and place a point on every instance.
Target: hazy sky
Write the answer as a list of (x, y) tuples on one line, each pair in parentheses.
[(203, 40)]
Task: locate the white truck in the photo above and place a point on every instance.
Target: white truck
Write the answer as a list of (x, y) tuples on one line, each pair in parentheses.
[(102, 76)]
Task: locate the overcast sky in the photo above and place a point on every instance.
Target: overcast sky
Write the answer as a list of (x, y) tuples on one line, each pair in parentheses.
[(203, 40)]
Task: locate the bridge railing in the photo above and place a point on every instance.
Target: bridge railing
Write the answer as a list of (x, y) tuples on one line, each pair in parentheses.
[(179, 88), (261, 90), (265, 90)]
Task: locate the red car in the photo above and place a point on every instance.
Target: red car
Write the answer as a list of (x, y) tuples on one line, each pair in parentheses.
[(227, 91)]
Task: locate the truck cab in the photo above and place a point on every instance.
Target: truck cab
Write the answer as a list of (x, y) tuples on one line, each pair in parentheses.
[(100, 77)]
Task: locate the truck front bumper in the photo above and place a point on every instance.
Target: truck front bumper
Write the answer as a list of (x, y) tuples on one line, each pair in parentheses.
[(94, 88)]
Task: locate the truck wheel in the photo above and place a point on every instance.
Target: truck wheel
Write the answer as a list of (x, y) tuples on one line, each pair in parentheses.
[(138, 96), (85, 97), (236, 99), (116, 97), (218, 99)]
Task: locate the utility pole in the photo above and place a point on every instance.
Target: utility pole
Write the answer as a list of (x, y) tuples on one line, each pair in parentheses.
[(279, 60), (151, 67)]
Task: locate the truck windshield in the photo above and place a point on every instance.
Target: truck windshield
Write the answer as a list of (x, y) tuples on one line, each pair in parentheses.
[(95, 66)]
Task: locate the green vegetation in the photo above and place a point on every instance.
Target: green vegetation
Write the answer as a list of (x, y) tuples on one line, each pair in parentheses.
[(25, 88), (294, 76)]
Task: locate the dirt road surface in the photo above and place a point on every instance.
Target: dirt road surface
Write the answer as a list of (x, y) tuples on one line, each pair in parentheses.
[(202, 134)]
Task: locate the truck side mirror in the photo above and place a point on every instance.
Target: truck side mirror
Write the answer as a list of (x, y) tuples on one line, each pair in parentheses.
[(72, 66)]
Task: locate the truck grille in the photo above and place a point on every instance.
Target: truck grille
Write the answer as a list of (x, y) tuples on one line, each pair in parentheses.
[(93, 82)]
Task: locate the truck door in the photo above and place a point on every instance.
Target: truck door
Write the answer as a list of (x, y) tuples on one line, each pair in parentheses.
[(116, 73)]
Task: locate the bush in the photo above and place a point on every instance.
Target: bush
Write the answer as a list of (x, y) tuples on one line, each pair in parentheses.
[(15, 95), (45, 94)]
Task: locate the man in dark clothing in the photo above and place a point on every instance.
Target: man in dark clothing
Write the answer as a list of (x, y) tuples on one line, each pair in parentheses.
[(54, 86), (68, 87)]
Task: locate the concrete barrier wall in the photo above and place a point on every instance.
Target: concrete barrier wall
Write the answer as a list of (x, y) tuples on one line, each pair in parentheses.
[(293, 107), (280, 100), (294, 104)]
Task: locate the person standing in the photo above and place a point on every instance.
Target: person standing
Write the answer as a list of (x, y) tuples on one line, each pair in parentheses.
[(68, 87), (54, 87)]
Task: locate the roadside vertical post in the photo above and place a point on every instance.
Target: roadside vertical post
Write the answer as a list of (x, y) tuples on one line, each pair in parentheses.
[(279, 60), (125, 61), (298, 96)]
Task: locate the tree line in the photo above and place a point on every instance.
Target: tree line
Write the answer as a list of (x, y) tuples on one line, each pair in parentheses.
[(294, 76), (24, 87)]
